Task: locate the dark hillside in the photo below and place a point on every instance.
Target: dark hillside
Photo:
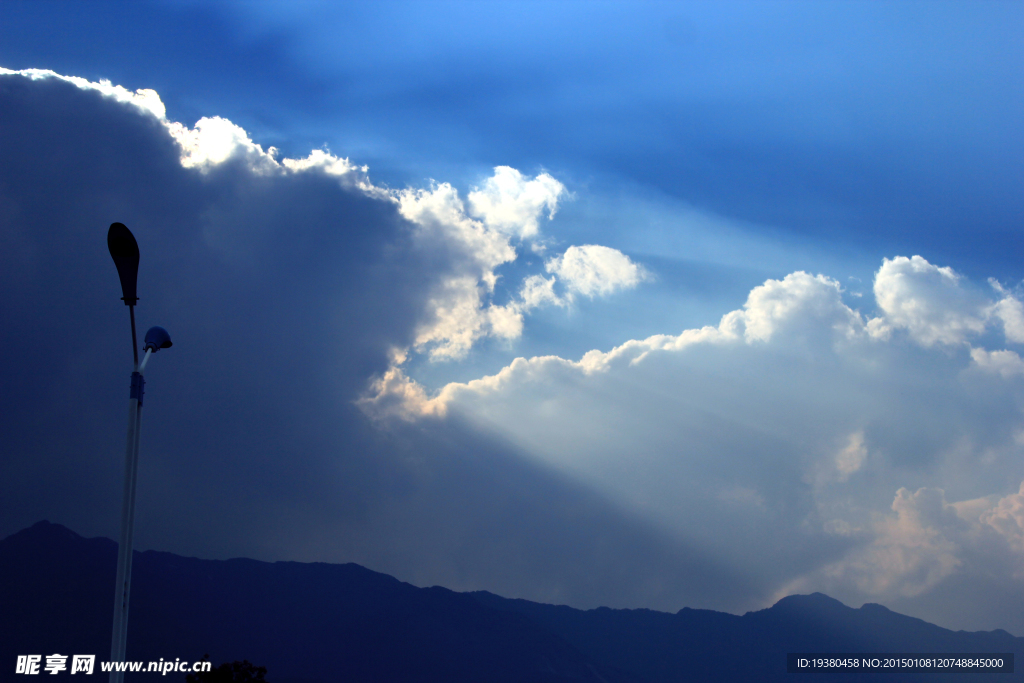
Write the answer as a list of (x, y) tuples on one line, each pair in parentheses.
[(321, 623)]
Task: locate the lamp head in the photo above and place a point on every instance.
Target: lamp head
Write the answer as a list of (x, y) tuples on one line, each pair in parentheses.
[(156, 339), (125, 252)]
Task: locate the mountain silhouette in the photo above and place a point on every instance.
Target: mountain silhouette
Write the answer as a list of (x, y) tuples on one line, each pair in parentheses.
[(321, 623)]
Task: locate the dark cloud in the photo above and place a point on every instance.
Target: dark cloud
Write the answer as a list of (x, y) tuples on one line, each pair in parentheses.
[(272, 288)]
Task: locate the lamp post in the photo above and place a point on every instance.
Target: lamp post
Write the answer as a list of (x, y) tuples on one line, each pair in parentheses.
[(125, 252)]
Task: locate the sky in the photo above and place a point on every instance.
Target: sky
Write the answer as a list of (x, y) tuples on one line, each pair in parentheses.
[(651, 305)]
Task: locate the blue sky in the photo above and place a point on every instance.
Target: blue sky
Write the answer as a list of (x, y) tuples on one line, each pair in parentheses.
[(658, 304)]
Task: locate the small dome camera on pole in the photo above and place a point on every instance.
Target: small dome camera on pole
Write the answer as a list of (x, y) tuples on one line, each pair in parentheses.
[(156, 339)]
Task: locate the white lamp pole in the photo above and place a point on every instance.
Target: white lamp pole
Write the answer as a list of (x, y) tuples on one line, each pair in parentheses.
[(125, 252)]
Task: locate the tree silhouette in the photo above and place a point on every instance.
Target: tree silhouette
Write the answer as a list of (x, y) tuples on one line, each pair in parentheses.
[(233, 672)]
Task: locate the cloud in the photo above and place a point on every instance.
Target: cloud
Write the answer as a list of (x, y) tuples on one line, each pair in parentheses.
[(927, 301), (792, 302), (215, 140), (1007, 519), (785, 425), (1006, 363), (457, 312), (286, 289), (268, 282), (462, 247), (802, 309), (798, 302), (511, 203), (326, 162), (593, 270), (145, 100), (537, 291), (1010, 311), (467, 252), (393, 395), (851, 458), (711, 467), (912, 550), (468, 247), (925, 541)]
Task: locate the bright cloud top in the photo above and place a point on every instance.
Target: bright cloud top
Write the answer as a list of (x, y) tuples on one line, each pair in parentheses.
[(930, 304), (460, 310), (213, 140), (145, 100), (927, 301), (511, 203), (467, 245)]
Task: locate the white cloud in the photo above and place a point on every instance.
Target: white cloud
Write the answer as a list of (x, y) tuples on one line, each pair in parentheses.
[(479, 240), (456, 318), (786, 424), (790, 303), (926, 540), (798, 302), (324, 161), (1010, 311), (212, 141), (851, 458), (511, 203), (215, 140), (457, 312), (147, 101), (927, 301), (591, 270), (1006, 363), (441, 216), (594, 270), (537, 291), (1007, 519), (393, 395), (912, 550)]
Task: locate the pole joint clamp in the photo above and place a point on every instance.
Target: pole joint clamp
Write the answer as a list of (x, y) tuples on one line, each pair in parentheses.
[(138, 386)]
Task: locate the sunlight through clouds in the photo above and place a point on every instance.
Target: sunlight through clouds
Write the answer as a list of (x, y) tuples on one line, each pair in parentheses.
[(829, 458), (875, 436)]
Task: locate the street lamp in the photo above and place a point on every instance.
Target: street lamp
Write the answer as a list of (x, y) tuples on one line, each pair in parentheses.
[(125, 252)]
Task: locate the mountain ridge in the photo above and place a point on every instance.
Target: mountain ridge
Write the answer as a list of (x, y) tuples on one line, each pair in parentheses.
[(322, 622)]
